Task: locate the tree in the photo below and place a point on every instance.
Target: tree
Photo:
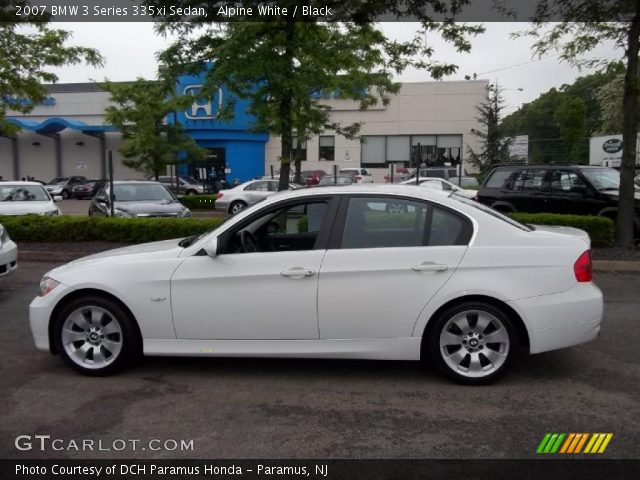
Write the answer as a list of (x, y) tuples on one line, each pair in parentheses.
[(586, 25), (571, 117), (495, 145), (27, 51), (150, 143), (285, 67)]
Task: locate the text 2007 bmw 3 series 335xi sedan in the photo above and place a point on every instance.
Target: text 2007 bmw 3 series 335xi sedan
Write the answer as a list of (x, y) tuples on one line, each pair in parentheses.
[(437, 277)]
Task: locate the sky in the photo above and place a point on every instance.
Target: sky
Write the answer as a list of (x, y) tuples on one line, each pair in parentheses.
[(130, 48)]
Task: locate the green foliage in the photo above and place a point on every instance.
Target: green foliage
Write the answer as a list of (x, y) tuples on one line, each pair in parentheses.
[(28, 49), (199, 202), (36, 228), (571, 117), (140, 112), (610, 98), (285, 67), (600, 229), (537, 118), (495, 144)]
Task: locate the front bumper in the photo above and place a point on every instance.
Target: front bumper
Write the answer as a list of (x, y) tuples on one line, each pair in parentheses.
[(8, 258), (40, 311), (562, 319)]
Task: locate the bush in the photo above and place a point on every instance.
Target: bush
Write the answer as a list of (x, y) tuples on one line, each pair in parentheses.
[(199, 202), (600, 229), (35, 228)]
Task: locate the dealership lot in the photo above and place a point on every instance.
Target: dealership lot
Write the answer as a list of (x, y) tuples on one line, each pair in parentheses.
[(242, 408)]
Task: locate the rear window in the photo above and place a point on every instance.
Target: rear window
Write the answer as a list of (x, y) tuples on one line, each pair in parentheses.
[(493, 213), (498, 177)]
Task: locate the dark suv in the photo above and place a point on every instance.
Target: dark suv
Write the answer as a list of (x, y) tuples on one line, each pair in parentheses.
[(574, 189)]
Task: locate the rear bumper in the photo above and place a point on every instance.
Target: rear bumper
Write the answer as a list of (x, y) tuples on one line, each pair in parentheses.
[(562, 319), (8, 258)]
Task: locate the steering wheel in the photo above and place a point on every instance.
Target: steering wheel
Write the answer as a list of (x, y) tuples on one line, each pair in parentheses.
[(248, 241)]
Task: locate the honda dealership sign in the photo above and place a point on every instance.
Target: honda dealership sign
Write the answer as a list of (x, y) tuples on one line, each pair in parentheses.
[(607, 151)]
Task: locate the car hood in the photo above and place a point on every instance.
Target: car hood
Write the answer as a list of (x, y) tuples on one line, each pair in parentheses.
[(161, 249), (26, 208), (559, 230), (150, 207)]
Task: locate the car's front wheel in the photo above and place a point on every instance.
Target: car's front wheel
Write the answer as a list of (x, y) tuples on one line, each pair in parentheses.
[(96, 336), (65, 194), (473, 342)]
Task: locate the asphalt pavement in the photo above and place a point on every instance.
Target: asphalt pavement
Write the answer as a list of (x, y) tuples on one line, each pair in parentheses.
[(256, 408)]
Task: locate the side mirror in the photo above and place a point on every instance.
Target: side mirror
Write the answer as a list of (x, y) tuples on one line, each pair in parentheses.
[(211, 247), (57, 198)]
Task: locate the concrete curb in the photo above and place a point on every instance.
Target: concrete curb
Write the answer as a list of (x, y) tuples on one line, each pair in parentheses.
[(55, 256)]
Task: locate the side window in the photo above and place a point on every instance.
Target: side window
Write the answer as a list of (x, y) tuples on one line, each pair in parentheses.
[(529, 180), (258, 186), (273, 186), (447, 228), (384, 222), (565, 181), (498, 178), (291, 228)]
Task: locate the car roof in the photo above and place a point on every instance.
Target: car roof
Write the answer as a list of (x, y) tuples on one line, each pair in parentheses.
[(548, 165)]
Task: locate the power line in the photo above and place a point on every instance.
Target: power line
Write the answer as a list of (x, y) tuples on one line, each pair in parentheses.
[(518, 64)]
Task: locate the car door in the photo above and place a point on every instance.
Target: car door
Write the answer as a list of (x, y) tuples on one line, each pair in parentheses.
[(266, 294), (568, 193), (530, 193), (382, 268), (258, 191)]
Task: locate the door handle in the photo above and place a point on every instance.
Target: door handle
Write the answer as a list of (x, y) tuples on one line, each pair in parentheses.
[(429, 267), (297, 272)]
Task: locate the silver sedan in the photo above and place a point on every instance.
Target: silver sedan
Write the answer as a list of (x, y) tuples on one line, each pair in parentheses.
[(236, 199)]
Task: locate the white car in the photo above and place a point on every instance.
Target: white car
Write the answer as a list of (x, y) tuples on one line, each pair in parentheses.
[(361, 175), (442, 184), (8, 253), (233, 200), (469, 287), (26, 198)]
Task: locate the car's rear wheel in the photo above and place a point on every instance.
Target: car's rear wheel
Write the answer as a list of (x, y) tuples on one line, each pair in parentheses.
[(96, 336), (237, 207), (473, 342)]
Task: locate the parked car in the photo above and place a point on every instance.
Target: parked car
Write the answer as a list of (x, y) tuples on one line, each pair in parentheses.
[(27, 198), (137, 198), (400, 174), (8, 253), (87, 188), (441, 184), (469, 287), (573, 189), (186, 185), (361, 175), (236, 199), (63, 185), (329, 180), (311, 177)]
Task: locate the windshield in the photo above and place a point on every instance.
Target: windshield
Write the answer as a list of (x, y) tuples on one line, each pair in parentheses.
[(23, 193), (603, 178), (492, 212), (57, 180), (139, 192)]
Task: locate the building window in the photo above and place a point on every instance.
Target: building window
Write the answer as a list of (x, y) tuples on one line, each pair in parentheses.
[(327, 148), (379, 151), (298, 150)]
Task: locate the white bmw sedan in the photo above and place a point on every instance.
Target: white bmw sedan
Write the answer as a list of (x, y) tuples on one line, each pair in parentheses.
[(445, 279)]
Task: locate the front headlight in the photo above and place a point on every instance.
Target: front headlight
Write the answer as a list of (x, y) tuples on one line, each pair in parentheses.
[(121, 213), (4, 236), (185, 213), (46, 285), (53, 213)]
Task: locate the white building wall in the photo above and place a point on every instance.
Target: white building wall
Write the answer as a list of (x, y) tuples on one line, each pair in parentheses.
[(428, 108)]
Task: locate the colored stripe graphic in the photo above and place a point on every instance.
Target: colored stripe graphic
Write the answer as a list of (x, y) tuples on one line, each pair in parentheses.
[(573, 443)]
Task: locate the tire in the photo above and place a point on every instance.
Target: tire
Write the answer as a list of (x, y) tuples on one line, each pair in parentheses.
[(236, 207), (457, 343), (65, 195), (96, 336)]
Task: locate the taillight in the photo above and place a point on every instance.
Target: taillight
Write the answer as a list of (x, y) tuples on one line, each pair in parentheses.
[(582, 267), (219, 195), (358, 178)]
